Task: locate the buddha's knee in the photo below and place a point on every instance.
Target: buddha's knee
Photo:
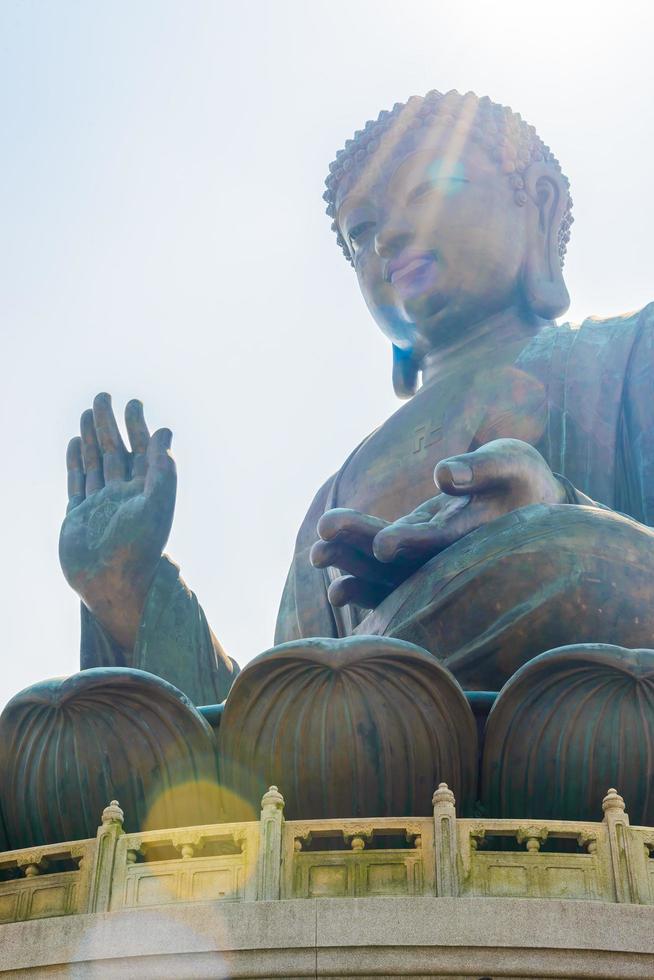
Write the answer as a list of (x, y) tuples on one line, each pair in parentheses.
[(69, 746), (568, 725), (357, 727)]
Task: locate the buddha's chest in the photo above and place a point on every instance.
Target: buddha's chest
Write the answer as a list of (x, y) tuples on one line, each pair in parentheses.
[(393, 471)]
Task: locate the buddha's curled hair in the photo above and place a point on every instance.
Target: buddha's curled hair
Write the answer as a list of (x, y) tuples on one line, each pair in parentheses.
[(511, 142)]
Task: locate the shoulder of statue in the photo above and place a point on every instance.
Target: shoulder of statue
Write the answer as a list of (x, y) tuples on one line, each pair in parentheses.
[(621, 325), (559, 353), (607, 340)]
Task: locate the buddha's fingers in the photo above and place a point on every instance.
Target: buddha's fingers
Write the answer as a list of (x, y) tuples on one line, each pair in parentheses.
[(161, 474), (349, 590), (497, 465), (138, 435), (75, 471), (338, 554), (416, 541), (114, 453), (412, 542), (91, 454), (350, 527)]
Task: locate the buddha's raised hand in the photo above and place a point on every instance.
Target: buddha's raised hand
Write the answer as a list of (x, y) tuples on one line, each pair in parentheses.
[(119, 516), (477, 487)]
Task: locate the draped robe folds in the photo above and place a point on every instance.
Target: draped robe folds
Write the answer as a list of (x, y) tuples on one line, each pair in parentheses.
[(598, 434), (174, 641)]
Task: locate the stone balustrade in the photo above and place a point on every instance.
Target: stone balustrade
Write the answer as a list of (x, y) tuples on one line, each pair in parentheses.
[(270, 859), (39, 882)]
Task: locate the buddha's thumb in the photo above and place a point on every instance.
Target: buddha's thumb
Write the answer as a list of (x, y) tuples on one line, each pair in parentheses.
[(495, 465), (454, 475)]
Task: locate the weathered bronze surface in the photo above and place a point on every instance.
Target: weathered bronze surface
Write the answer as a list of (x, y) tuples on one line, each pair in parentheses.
[(357, 727), (523, 584), (136, 612), (69, 745), (503, 510), (568, 723)]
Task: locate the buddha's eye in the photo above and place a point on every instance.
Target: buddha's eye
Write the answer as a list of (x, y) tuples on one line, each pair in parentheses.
[(445, 185), (359, 231), (421, 190)]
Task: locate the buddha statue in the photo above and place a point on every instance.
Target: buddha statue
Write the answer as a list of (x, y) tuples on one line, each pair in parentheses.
[(488, 545)]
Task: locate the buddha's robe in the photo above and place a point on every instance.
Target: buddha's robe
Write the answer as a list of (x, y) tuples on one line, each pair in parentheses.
[(584, 397), (174, 641), (540, 578)]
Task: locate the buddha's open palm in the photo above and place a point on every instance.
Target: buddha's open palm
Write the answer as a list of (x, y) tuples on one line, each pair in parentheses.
[(119, 516), (478, 487)]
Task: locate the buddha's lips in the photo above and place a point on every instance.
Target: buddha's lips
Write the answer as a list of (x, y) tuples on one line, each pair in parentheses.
[(408, 272)]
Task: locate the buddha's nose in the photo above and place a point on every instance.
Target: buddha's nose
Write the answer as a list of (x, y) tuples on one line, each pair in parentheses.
[(391, 239)]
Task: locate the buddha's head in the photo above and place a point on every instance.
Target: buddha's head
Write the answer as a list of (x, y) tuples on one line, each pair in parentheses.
[(451, 210)]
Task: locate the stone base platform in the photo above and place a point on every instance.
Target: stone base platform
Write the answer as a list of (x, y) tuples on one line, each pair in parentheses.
[(423, 938), (421, 897)]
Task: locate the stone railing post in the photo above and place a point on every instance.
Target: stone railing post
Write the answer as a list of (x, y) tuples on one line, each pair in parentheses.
[(105, 856), (445, 842), (270, 845), (617, 828)]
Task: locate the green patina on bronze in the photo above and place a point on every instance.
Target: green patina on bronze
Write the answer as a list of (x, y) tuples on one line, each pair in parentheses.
[(504, 509), (350, 727), (68, 744), (568, 722)]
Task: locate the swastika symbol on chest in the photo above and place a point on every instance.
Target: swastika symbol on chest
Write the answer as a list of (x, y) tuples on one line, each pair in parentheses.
[(425, 435)]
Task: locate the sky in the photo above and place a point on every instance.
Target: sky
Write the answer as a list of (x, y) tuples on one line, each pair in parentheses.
[(162, 235)]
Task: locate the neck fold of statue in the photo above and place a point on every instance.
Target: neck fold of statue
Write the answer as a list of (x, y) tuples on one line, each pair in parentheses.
[(498, 339)]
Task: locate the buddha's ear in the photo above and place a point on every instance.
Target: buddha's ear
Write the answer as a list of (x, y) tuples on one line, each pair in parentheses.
[(547, 197), (405, 373)]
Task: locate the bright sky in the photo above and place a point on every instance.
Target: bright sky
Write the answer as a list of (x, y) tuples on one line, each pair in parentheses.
[(163, 236)]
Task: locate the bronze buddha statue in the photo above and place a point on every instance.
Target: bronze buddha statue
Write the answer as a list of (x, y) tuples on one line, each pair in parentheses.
[(502, 513)]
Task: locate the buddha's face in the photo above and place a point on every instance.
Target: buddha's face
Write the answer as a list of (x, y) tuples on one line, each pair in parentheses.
[(437, 240)]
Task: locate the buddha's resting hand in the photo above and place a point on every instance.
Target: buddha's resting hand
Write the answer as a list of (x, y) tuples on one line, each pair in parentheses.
[(119, 516), (476, 488)]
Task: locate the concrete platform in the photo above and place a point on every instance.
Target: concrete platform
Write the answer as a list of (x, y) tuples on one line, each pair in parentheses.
[(469, 938)]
